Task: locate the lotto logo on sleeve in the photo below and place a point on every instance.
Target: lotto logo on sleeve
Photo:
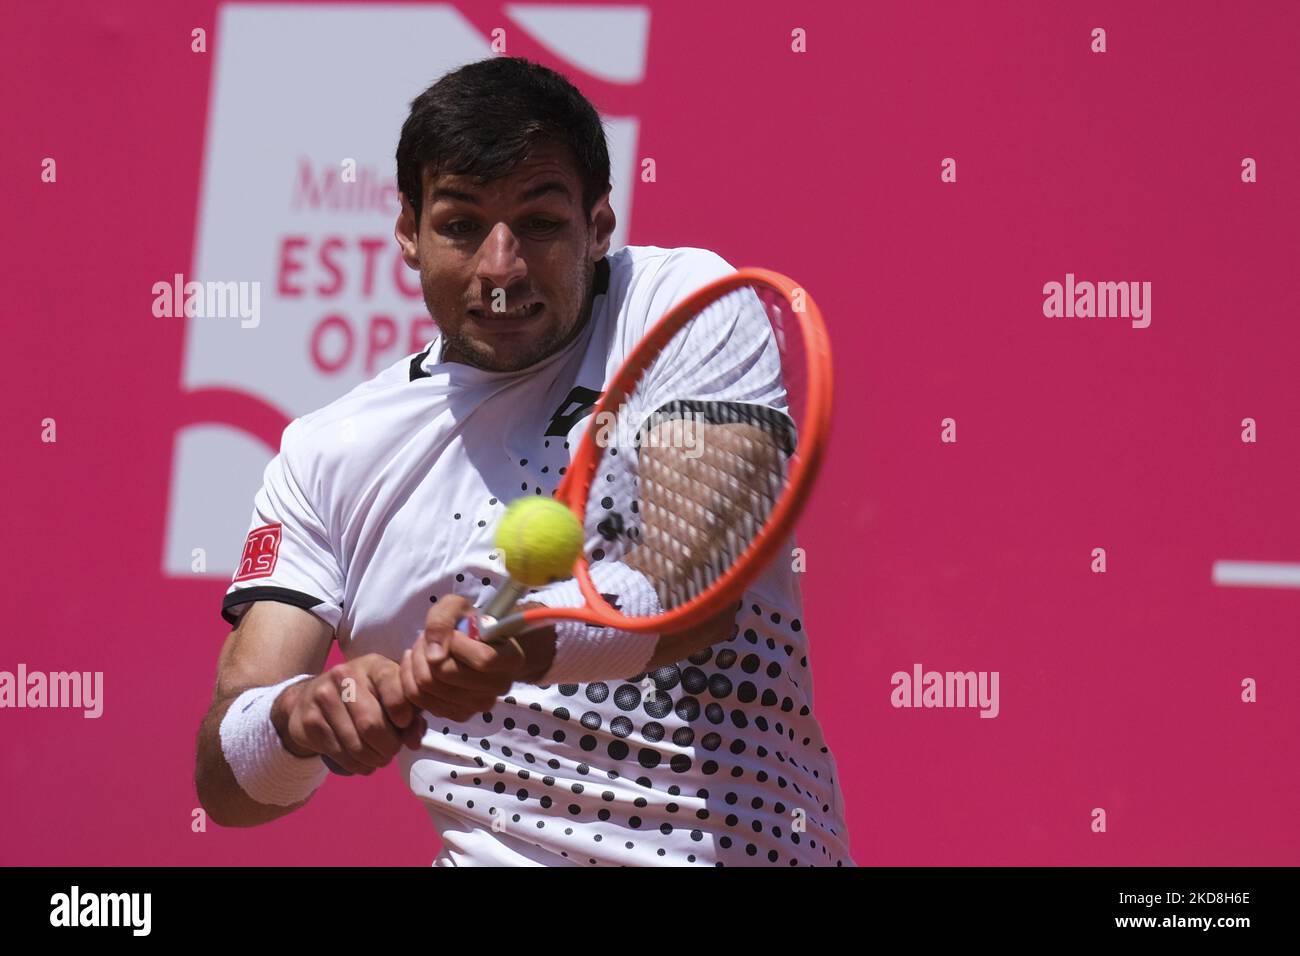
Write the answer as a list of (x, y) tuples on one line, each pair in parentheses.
[(260, 552)]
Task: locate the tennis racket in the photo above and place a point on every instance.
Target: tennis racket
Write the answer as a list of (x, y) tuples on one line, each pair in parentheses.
[(699, 457)]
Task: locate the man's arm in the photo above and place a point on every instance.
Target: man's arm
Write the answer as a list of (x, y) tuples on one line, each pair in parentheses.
[(731, 485), (272, 643), (539, 645)]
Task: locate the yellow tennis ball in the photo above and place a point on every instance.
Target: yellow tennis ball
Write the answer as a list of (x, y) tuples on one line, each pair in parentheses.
[(539, 539)]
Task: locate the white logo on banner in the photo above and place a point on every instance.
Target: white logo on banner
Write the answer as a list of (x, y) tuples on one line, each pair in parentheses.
[(299, 195)]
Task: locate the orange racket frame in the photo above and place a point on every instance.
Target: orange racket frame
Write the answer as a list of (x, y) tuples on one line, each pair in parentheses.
[(810, 449)]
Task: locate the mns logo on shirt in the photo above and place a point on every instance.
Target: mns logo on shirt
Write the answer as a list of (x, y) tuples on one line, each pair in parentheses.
[(261, 548), (577, 405)]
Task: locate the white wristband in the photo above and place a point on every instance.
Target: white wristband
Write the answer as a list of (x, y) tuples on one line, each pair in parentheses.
[(588, 652), (265, 770)]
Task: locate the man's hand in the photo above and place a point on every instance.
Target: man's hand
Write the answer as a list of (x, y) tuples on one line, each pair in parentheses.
[(449, 673), (355, 713)]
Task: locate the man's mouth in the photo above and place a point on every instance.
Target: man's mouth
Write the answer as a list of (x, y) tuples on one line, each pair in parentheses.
[(515, 315)]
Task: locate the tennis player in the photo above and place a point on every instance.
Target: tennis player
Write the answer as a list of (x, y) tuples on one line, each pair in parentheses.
[(374, 527)]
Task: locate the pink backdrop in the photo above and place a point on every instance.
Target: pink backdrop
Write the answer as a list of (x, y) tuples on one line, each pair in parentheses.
[(1119, 690)]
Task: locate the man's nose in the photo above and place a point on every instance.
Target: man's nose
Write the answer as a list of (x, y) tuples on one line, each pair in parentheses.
[(500, 262)]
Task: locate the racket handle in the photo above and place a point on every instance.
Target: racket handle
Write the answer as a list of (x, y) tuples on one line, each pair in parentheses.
[(511, 593)]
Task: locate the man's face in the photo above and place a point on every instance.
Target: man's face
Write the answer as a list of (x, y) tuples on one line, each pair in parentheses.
[(485, 251)]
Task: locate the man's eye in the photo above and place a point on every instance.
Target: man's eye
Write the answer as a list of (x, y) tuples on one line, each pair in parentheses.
[(544, 225), (453, 227)]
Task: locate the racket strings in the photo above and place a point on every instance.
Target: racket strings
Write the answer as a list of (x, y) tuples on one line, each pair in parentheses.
[(699, 456)]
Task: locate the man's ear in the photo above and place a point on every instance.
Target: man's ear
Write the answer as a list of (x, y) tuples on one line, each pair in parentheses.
[(407, 233), (602, 228)]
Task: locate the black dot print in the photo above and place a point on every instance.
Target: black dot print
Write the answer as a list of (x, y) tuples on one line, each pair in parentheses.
[(650, 721), (658, 704), (701, 657), (611, 526), (694, 680), (627, 697)]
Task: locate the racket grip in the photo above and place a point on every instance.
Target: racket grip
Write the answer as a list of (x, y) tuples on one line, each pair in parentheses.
[(468, 625)]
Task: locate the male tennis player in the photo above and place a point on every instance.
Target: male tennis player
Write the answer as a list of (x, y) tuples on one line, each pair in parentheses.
[(375, 522)]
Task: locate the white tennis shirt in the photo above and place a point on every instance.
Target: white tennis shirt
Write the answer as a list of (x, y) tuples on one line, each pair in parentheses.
[(386, 500)]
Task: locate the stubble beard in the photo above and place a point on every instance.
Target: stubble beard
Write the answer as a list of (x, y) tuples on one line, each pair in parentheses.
[(459, 347)]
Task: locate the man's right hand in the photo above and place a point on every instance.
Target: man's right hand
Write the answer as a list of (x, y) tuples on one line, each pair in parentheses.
[(355, 713)]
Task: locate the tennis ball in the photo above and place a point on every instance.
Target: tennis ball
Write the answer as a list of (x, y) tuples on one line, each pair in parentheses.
[(539, 539)]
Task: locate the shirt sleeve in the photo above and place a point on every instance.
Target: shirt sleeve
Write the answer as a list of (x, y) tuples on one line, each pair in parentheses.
[(287, 554), (724, 362)]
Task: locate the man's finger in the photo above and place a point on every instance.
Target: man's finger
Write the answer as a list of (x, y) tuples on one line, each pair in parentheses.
[(392, 698), (453, 676), (447, 613), (413, 735), (354, 749), (483, 657), (418, 684), (458, 709)]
